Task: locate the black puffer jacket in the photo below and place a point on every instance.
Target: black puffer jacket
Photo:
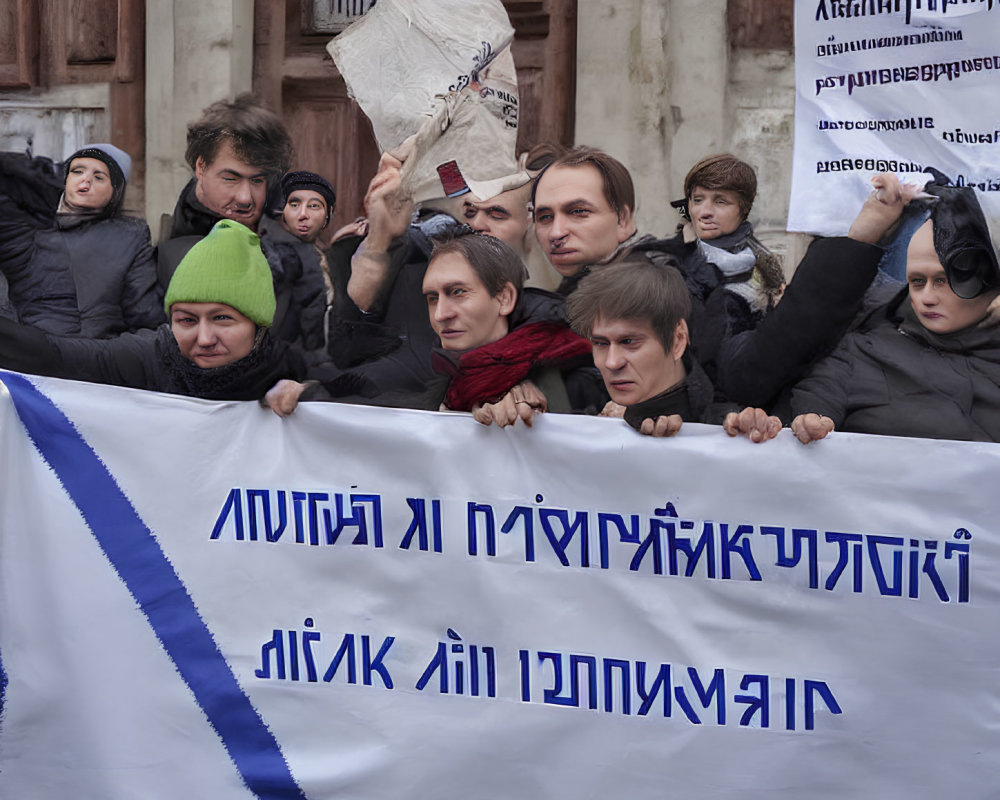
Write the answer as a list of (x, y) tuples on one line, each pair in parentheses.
[(148, 360), (299, 286), (896, 378), (304, 282), (68, 274)]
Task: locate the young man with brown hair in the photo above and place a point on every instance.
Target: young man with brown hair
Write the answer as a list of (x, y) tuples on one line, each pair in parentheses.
[(238, 150), (584, 205), (634, 312)]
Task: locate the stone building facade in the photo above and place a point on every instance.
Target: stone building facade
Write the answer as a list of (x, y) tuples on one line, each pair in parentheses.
[(658, 83)]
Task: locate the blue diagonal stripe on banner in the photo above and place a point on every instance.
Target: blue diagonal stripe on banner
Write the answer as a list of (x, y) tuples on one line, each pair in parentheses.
[(135, 554)]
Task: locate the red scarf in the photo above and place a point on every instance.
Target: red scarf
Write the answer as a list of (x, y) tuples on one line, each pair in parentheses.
[(487, 373)]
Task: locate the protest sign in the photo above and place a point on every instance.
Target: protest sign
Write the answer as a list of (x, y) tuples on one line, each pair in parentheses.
[(202, 600), (890, 87), (442, 73)]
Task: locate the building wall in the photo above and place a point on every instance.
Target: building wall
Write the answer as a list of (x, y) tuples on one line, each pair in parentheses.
[(72, 73), (54, 122), (659, 86), (197, 52)]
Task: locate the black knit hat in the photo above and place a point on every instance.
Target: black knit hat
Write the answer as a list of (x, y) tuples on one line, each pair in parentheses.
[(293, 181), (962, 239)]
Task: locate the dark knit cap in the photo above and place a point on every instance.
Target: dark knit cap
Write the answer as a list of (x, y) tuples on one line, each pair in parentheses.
[(293, 181)]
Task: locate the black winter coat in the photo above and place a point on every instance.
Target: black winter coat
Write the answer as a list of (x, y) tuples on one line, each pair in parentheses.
[(68, 274), (93, 279), (897, 378)]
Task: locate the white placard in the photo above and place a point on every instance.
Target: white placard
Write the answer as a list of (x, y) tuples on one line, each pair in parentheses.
[(890, 86)]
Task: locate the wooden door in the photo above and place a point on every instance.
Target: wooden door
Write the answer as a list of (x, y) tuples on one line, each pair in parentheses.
[(50, 46), (761, 24), (295, 76)]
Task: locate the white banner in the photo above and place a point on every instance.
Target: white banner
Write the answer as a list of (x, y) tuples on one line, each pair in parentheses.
[(202, 600), (891, 87)]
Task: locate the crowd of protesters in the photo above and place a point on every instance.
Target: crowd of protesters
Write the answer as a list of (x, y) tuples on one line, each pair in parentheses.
[(427, 307)]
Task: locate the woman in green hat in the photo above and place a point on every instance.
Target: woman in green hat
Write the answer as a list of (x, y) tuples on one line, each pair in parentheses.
[(216, 345)]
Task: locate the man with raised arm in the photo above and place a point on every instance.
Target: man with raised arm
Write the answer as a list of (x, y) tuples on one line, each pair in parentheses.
[(584, 217), (382, 312)]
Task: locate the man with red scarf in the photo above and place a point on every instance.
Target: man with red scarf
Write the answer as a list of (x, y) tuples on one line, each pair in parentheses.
[(507, 353)]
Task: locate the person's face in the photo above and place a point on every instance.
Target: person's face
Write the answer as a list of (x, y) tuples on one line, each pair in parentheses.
[(937, 307), (714, 212), (574, 223), (462, 312), (632, 360), (231, 188), (88, 183), (504, 216), (305, 214), (211, 334)]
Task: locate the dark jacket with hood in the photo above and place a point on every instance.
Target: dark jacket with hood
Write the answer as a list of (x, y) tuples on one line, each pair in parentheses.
[(894, 377), (148, 360), (72, 274), (299, 286)]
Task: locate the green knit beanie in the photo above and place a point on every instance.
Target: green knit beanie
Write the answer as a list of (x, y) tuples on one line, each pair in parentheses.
[(227, 266)]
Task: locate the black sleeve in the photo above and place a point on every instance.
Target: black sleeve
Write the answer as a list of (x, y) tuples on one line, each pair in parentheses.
[(401, 252), (356, 336), (33, 185), (338, 258), (142, 297), (826, 390), (816, 311), (29, 193), (122, 361), (17, 240), (586, 390)]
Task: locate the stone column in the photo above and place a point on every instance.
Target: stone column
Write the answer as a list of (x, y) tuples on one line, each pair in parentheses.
[(197, 52), (651, 83)]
